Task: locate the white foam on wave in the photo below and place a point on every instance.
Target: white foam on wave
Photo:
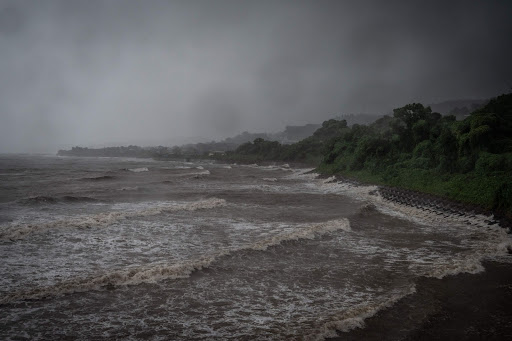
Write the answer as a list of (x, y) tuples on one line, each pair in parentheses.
[(309, 232), (303, 174), (472, 264), (493, 240), (354, 317), (424, 216), (329, 179), (285, 167), (199, 167), (199, 174), (151, 274), (193, 174), (270, 179), (19, 231), (138, 170), (157, 272)]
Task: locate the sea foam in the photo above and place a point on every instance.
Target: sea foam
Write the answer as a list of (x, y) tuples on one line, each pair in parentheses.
[(138, 170), (156, 272), (15, 231)]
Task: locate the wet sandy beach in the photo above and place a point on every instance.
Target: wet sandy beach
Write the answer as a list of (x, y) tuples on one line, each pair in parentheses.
[(460, 307)]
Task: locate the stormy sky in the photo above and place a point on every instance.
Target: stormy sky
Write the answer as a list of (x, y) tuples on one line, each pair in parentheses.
[(96, 73)]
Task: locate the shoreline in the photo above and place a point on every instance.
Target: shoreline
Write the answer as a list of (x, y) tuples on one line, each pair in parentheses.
[(456, 307), (427, 201)]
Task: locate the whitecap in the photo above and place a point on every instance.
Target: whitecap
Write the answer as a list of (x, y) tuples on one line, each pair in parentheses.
[(18, 231), (157, 272), (138, 170)]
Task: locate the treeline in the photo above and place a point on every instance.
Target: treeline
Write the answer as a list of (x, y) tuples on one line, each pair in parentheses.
[(415, 148), (129, 151), (291, 134), (309, 150)]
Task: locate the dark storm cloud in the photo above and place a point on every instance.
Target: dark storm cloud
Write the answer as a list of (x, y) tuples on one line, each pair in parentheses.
[(159, 72)]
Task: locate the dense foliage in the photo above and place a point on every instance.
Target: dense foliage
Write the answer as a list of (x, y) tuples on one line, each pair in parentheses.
[(309, 150), (469, 160)]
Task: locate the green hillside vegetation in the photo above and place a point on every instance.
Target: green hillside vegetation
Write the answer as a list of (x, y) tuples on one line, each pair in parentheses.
[(468, 161), (309, 150)]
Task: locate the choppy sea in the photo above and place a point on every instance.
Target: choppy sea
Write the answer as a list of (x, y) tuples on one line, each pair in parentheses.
[(135, 249)]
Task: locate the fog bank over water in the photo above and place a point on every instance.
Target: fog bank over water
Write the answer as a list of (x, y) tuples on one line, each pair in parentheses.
[(91, 73)]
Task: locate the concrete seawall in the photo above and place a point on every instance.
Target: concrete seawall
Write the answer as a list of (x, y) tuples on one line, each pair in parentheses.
[(439, 206)]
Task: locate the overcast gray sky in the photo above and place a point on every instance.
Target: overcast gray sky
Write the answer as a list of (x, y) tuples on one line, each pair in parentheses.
[(91, 73)]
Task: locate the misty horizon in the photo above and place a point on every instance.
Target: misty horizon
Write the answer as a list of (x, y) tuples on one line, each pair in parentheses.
[(97, 73)]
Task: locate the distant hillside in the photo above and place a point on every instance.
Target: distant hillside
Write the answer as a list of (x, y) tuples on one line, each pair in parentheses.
[(459, 108), (359, 118), (417, 148), (291, 134)]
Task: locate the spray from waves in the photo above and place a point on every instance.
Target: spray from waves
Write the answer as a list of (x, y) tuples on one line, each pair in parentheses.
[(302, 174), (198, 174), (354, 317), (157, 272), (19, 231), (138, 170)]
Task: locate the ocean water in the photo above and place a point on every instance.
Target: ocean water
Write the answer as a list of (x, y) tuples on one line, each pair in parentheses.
[(114, 248)]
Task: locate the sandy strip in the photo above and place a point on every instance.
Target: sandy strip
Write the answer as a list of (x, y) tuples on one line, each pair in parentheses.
[(461, 307)]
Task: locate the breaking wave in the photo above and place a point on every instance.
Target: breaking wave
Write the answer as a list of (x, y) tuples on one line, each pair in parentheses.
[(354, 317), (309, 232), (471, 264), (157, 272), (19, 231), (198, 175), (138, 170), (416, 214)]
